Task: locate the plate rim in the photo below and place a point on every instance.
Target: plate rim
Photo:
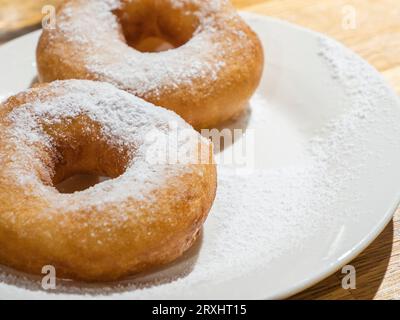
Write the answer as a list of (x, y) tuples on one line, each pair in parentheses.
[(373, 234)]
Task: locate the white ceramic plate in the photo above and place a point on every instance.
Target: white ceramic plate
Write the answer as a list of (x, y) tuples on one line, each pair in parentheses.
[(324, 185)]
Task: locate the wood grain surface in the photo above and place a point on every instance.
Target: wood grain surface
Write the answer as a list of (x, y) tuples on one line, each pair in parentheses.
[(369, 27)]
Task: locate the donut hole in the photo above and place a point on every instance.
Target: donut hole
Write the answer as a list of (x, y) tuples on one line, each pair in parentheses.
[(82, 166), (80, 182), (83, 156), (155, 26), (153, 44)]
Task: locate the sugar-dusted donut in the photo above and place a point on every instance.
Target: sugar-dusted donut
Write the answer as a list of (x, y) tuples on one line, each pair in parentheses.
[(207, 79), (147, 215)]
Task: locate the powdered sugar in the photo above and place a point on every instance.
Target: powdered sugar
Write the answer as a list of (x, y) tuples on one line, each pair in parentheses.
[(260, 219), (126, 122), (105, 55)]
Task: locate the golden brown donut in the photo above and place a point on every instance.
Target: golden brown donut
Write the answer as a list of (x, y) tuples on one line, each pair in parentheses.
[(147, 215), (207, 79)]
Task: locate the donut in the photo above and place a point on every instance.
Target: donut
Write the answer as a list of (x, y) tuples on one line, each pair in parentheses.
[(207, 78), (147, 214)]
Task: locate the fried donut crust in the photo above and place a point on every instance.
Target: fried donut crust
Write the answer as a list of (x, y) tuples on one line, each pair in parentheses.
[(207, 79), (146, 216)]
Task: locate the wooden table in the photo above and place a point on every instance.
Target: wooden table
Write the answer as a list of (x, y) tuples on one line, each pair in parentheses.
[(375, 35)]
